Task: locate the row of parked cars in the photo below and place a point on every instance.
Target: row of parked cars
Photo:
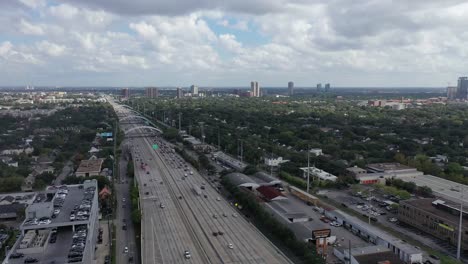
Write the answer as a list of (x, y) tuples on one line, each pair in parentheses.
[(81, 212), (75, 254)]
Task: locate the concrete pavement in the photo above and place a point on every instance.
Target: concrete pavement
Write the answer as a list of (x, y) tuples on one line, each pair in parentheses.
[(175, 218)]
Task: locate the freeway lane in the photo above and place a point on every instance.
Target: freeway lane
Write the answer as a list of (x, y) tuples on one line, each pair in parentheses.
[(187, 220)]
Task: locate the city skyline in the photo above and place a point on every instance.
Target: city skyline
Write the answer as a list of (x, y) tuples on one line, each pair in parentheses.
[(94, 43)]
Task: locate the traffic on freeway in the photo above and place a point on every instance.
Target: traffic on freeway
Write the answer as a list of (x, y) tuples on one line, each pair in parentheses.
[(184, 219)]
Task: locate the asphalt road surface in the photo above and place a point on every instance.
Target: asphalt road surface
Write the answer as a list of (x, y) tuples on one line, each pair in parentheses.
[(124, 238), (175, 218)]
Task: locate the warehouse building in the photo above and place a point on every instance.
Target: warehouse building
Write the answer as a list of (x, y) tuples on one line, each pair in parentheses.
[(437, 217)]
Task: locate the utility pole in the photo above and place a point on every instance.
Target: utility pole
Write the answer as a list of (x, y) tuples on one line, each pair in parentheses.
[(242, 150), (180, 118), (460, 226), (219, 140), (308, 168)]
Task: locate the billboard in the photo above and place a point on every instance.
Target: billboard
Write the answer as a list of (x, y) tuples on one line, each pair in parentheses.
[(321, 233)]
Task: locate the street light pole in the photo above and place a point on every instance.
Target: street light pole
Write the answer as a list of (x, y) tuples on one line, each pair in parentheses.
[(308, 168), (460, 226)]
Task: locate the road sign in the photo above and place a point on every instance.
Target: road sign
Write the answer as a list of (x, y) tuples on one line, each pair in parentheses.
[(155, 146)]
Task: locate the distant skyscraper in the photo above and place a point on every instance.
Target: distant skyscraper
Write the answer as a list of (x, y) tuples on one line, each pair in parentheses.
[(451, 92), (194, 90), (290, 88), (319, 87), (327, 87), (152, 92), (125, 93), (255, 89), (180, 93), (462, 88)]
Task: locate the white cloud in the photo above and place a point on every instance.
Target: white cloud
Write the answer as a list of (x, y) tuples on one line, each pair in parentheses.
[(143, 29), (30, 29), (229, 42), (51, 49)]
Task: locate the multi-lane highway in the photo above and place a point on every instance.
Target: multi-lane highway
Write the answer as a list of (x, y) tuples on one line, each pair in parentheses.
[(182, 213)]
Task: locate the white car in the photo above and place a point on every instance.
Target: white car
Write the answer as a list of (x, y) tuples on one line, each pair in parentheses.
[(126, 250), (187, 254), (230, 246), (218, 199)]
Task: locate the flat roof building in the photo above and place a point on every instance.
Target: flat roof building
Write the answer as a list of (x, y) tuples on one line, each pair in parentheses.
[(436, 217), (229, 161), (91, 167), (367, 255), (241, 180), (61, 225), (318, 174), (379, 172)]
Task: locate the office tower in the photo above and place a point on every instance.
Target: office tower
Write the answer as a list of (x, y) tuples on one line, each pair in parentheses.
[(319, 87), (194, 90), (125, 93), (462, 88), (180, 93), (451, 92), (255, 89), (327, 87), (290, 88), (152, 92)]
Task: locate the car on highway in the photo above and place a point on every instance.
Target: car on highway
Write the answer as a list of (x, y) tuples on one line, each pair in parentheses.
[(215, 216), (218, 199), (234, 215), (187, 254), (126, 250), (161, 205), (230, 246)]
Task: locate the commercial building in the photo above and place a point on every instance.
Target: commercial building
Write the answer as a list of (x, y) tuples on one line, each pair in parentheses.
[(229, 161), (451, 92), (152, 92), (274, 162), (255, 89), (327, 87), (404, 251), (194, 90), (290, 88), (437, 217), (380, 172), (241, 180), (91, 167), (61, 226), (318, 174), (125, 93), (179, 93), (366, 255), (462, 88), (319, 87)]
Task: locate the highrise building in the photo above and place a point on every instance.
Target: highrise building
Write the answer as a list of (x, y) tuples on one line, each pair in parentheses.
[(152, 92), (125, 93), (319, 87), (462, 88), (290, 88), (194, 90), (255, 89), (327, 87), (180, 93), (451, 92)]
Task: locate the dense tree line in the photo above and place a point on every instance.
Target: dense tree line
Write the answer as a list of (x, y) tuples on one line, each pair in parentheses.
[(272, 227), (348, 133)]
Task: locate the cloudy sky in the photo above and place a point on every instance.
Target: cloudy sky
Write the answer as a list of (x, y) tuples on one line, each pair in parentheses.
[(231, 42)]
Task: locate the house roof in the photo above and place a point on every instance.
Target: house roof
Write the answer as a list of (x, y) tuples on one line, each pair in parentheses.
[(104, 192), (87, 166), (269, 192)]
